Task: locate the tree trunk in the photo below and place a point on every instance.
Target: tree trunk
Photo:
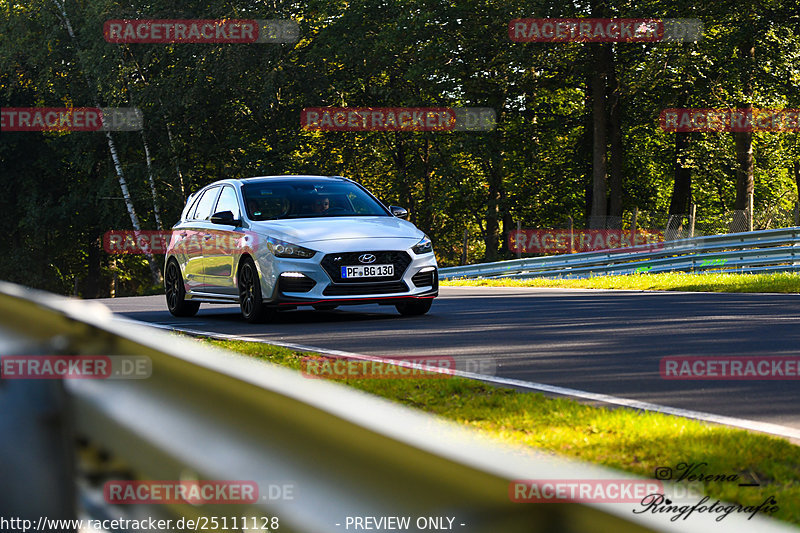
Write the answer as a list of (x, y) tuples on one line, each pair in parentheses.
[(426, 215), (152, 181), (585, 148), (744, 167), (495, 183), (508, 220), (401, 164), (492, 221), (599, 144), (744, 139), (178, 172), (615, 142), (682, 186), (94, 257)]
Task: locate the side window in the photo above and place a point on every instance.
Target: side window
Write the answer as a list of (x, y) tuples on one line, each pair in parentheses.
[(359, 206), (228, 202), (189, 209), (204, 205)]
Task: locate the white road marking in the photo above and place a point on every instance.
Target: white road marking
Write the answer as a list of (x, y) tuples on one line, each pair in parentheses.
[(762, 427)]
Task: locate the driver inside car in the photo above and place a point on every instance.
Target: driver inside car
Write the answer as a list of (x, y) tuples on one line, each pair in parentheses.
[(322, 205)]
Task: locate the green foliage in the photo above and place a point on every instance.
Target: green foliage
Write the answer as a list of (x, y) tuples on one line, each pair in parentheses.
[(785, 282), (231, 110)]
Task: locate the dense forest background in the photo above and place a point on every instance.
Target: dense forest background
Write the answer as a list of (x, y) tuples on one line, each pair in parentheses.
[(577, 134)]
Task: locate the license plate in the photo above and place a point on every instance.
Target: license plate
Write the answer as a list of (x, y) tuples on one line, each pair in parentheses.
[(367, 271)]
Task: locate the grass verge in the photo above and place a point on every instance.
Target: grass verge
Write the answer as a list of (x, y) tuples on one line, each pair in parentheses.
[(626, 439), (783, 282)]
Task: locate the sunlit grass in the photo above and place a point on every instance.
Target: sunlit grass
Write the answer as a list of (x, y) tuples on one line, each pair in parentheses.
[(626, 439), (669, 281)]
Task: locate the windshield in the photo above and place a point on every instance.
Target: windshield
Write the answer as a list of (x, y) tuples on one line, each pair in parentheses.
[(275, 200)]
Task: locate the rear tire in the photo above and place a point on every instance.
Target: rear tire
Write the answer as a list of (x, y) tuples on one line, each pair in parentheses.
[(177, 303), (414, 307), (250, 300)]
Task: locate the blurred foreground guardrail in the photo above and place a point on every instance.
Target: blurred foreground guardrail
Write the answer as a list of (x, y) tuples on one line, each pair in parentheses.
[(207, 414), (751, 252)]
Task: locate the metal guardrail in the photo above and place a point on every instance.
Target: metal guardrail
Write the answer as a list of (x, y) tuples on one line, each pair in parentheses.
[(751, 252), (209, 414)]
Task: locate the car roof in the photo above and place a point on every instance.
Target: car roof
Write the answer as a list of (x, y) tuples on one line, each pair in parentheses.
[(262, 179), (305, 177)]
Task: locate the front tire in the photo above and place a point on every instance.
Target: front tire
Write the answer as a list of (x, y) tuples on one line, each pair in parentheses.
[(177, 303), (250, 300), (414, 307)]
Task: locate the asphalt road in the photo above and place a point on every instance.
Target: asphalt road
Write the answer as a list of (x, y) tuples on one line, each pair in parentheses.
[(608, 342)]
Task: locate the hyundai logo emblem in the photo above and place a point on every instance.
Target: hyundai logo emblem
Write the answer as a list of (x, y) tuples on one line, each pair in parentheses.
[(366, 258)]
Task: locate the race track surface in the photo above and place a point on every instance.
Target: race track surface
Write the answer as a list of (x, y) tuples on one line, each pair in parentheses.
[(606, 342)]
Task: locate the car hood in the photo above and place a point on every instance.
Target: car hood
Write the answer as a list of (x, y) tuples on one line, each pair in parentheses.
[(312, 230)]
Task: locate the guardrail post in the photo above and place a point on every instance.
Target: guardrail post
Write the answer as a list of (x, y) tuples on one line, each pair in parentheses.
[(750, 210), (519, 248), (634, 220), (692, 218), (797, 213)]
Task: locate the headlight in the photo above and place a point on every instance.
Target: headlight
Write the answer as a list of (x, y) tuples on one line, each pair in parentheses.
[(285, 249), (423, 247)]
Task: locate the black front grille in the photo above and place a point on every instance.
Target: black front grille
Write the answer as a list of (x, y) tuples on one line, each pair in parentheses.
[(351, 289), (303, 284), (426, 279), (333, 263)]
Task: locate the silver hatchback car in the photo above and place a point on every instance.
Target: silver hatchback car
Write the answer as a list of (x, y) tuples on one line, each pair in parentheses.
[(279, 242)]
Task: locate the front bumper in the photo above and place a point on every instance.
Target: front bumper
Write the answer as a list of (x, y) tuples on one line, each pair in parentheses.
[(293, 282)]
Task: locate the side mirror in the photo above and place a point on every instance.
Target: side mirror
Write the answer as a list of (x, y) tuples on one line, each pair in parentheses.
[(224, 217), (399, 212)]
